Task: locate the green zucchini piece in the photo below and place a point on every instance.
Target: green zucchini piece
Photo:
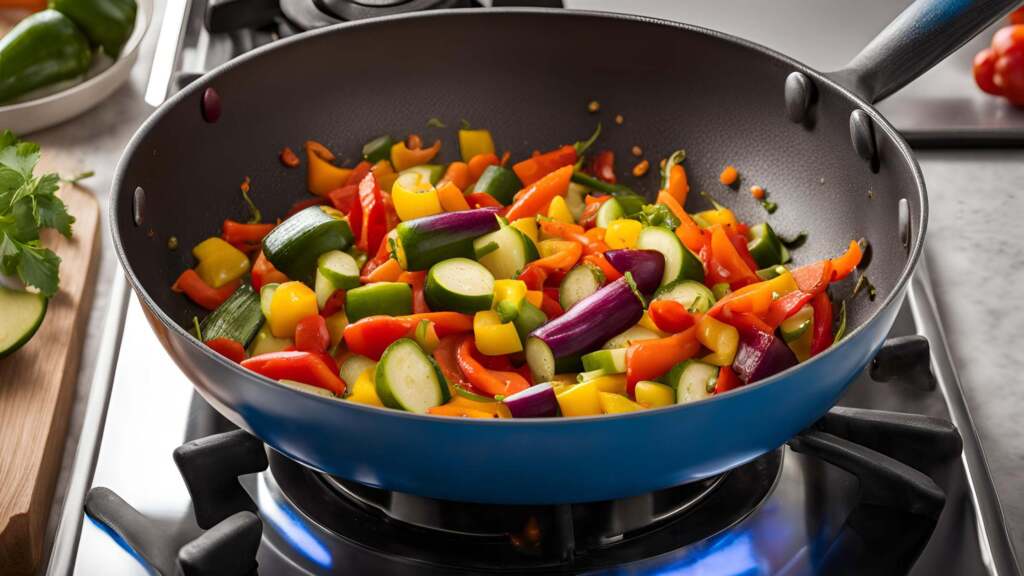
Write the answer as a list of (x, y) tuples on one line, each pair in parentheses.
[(505, 252), (575, 200), (501, 183), (238, 318), (680, 263), (407, 379), (21, 314), (528, 319), (795, 326), (631, 334), (266, 297), (609, 211), (430, 172), (265, 342), (294, 246), (694, 296), (693, 380), (353, 366), (378, 149), (720, 290), (608, 361), (335, 270), (764, 246), (459, 284), (580, 282), (508, 310), (378, 298)]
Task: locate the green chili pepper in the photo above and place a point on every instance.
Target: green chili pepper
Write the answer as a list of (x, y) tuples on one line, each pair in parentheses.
[(43, 49), (107, 23)]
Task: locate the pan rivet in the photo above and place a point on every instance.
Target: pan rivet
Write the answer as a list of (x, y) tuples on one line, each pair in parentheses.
[(904, 223), (799, 94), (862, 134), (211, 105), (138, 205)]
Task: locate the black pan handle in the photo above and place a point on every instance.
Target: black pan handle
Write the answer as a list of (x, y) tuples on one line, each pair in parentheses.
[(919, 38)]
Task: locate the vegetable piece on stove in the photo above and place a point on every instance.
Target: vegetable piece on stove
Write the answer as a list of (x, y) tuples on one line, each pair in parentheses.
[(580, 282), (353, 365), (646, 266), (612, 361), (423, 242), (378, 149), (612, 403), (680, 263), (305, 367), (694, 296), (265, 342), (494, 337), (294, 246), (692, 380), (363, 389), (407, 379), (761, 355), (537, 401), (459, 284), (414, 196), (609, 212), (580, 400), (289, 303), (505, 252), (765, 247), (238, 318), (219, 262), (335, 270), (387, 298), (532, 199), (475, 142), (202, 293)]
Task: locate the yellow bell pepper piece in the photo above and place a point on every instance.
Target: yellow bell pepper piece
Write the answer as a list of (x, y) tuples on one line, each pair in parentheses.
[(452, 199), (490, 407), (580, 400), (559, 387), (333, 212), (321, 175), (622, 233), (219, 262), (558, 211), (414, 197), (654, 394), (292, 302), (364, 390), (647, 322), (719, 337), (511, 290), (612, 383), (336, 324), (473, 142), (722, 216), (528, 226), (494, 338), (535, 297), (402, 157), (550, 247), (384, 174), (616, 404)]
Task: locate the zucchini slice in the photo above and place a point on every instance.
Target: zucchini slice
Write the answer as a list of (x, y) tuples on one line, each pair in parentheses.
[(335, 270), (21, 314), (459, 284), (378, 298), (611, 361), (528, 318), (407, 379), (501, 183), (765, 247), (693, 380), (294, 246), (609, 211), (353, 366), (266, 297), (580, 282), (237, 318), (680, 263), (632, 334), (575, 199), (694, 296), (795, 326), (265, 342), (505, 252)]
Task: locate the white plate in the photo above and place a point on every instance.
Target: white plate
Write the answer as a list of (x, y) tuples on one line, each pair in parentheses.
[(54, 104)]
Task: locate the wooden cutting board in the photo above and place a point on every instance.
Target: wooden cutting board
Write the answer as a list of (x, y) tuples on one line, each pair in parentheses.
[(37, 385)]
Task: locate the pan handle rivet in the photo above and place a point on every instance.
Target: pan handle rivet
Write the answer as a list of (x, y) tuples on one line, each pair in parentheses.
[(799, 94), (904, 223), (210, 105), (862, 134), (138, 205)]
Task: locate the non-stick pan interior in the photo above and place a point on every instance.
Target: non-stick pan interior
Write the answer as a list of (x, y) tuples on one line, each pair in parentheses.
[(526, 76)]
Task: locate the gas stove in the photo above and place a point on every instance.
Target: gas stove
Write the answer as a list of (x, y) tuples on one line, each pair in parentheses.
[(893, 481)]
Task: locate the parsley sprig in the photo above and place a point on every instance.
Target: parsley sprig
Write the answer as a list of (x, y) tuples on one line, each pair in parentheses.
[(28, 205)]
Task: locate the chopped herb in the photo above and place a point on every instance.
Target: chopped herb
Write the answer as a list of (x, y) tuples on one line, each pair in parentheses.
[(74, 180), (657, 215), (841, 330), (195, 326), (435, 123), (465, 124), (256, 216), (864, 284), (172, 243), (794, 243), (769, 206)]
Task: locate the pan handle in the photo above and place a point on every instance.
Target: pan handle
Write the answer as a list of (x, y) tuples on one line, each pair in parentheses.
[(919, 38)]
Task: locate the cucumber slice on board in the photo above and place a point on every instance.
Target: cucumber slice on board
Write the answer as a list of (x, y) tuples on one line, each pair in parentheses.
[(407, 379), (607, 361), (694, 296), (580, 282), (459, 284), (693, 380), (294, 246), (387, 298), (609, 211), (505, 252), (680, 263), (21, 314), (237, 318)]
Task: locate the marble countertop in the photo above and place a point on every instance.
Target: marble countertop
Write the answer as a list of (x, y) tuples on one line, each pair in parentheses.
[(976, 200)]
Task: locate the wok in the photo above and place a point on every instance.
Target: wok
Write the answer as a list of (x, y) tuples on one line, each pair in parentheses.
[(835, 166)]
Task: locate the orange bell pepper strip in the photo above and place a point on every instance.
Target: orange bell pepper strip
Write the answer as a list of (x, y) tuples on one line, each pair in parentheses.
[(238, 233), (306, 367), (530, 201), (482, 200), (321, 175), (786, 306), (843, 265), (688, 232), (611, 273), (479, 163), (727, 380), (678, 185), (457, 174), (813, 278), (389, 271), (533, 169), (491, 382), (821, 337), (754, 298), (228, 348), (263, 272), (649, 359), (370, 336), (724, 253), (202, 293), (670, 316), (561, 261), (459, 411), (416, 280), (451, 198), (574, 232), (403, 157)]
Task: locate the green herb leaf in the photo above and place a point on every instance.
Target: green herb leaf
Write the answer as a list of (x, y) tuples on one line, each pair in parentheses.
[(52, 213), (38, 267), (841, 330), (79, 177), (464, 124), (657, 215), (435, 123)]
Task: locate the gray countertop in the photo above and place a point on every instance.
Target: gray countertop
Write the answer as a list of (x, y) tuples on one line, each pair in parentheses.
[(974, 255)]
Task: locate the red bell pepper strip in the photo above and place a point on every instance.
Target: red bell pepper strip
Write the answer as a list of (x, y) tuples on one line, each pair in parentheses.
[(727, 380), (843, 265), (200, 292), (344, 199), (482, 200), (228, 348), (787, 306), (549, 304), (745, 322), (358, 173), (305, 367), (739, 242), (649, 359), (335, 302), (813, 278), (444, 355), (492, 382), (538, 194), (416, 281), (533, 169), (311, 334), (372, 335), (373, 213), (382, 256), (611, 273), (670, 316), (238, 233), (821, 338), (263, 273), (535, 273), (602, 166)]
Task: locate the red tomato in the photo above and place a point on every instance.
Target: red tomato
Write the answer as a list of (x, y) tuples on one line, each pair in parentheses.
[(1009, 77), (1017, 16), (984, 71), (1008, 40), (311, 334)]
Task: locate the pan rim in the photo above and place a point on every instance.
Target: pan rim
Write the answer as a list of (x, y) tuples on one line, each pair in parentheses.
[(131, 149)]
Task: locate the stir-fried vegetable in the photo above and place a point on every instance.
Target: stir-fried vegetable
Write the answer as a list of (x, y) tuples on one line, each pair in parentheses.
[(483, 291)]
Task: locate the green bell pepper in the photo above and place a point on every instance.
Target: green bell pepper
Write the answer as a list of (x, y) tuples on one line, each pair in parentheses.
[(107, 23), (43, 49)]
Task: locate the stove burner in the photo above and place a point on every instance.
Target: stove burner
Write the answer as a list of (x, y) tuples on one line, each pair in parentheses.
[(309, 14)]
